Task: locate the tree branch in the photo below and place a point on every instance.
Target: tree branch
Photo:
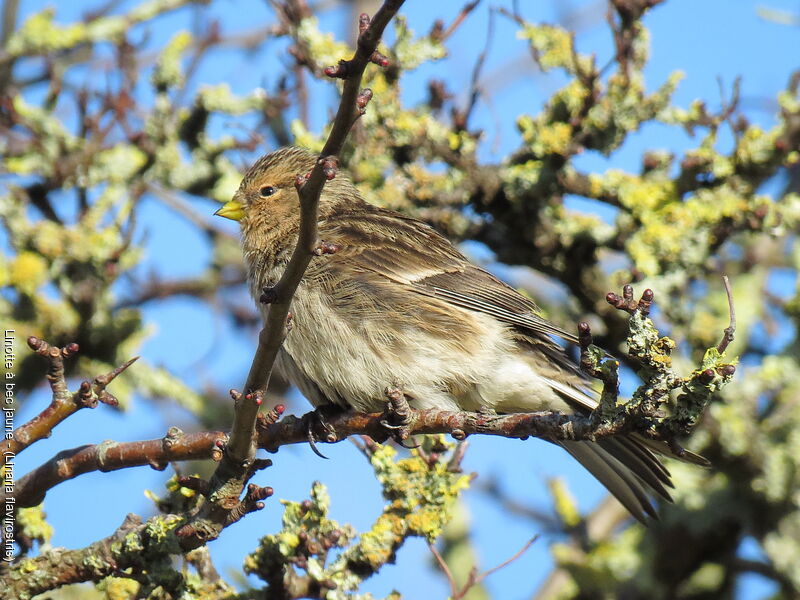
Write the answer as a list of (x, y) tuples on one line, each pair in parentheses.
[(64, 402), (550, 425), (238, 461), (309, 190), (641, 414), (111, 456), (133, 544), (727, 336)]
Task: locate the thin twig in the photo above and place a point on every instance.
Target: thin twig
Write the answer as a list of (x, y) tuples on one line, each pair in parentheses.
[(180, 206), (475, 90), (204, 286), (507, 562), (454, 591), (463, 13), (473, 579), (727, 335), (112, 456), (63, 403), (271, 338), (239, 461)]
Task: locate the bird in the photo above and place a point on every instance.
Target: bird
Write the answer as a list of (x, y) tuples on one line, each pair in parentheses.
[(397, 301)]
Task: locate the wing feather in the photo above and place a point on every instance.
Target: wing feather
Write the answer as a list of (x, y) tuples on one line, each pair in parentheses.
[(410, 252)]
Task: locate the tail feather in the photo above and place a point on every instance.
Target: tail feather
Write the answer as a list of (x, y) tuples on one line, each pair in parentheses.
[(627, 465), (647, 468), (615, 475), (584, 403), (663, 448), (648, 456)]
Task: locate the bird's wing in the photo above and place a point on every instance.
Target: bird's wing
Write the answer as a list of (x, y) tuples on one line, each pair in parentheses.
[(410, 252)]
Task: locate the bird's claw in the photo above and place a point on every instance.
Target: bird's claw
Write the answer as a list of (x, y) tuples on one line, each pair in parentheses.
[(316, 420), (312, 443)]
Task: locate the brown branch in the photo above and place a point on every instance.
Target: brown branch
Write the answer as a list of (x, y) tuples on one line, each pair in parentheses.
[(640, 414), (179, 205), (474, 578), (238, 462), (272, 335), (461, 118), (550, 425), (506, 562), (111, 456), (727, 336), (441, 34), (64, 403), (451, 580), (204, 286)]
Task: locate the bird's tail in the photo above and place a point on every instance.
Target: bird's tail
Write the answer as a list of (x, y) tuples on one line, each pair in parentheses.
[(627, 468), (627, 465)]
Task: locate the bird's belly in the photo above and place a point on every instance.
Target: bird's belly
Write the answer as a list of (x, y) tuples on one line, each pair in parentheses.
[(352, 362)]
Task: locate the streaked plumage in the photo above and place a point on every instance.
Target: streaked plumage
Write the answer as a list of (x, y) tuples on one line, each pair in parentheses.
[(398, 302)]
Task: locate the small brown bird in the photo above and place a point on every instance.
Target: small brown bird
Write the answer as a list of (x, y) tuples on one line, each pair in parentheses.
[(397, 302)]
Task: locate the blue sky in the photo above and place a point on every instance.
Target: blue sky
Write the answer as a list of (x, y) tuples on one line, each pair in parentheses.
[(709, 41)]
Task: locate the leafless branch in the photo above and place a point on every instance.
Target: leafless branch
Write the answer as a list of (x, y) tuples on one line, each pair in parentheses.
[(474, 86), (727, 336), (272, 335), (64, 403), (238, 462), (508, 561), (111, 456), (474, 578), (640, 414), (454, 591), (441, 33)]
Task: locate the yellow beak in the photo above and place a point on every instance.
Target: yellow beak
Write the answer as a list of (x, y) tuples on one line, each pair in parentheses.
[(232, 210)]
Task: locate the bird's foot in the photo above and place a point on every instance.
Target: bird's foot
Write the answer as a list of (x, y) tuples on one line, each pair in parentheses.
[(397, 416), (318, 428)]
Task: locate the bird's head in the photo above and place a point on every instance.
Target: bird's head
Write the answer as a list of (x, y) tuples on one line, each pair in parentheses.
[(267, 195)]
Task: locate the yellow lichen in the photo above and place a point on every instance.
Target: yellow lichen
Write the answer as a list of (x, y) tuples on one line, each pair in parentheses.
[(27, 272)]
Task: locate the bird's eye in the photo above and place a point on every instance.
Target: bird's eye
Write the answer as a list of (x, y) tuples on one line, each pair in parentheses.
[(267, 190)]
